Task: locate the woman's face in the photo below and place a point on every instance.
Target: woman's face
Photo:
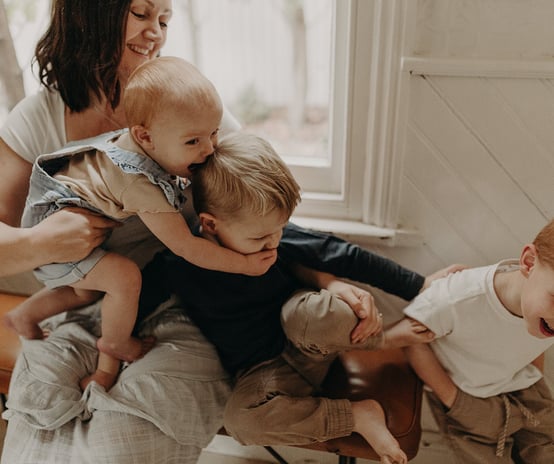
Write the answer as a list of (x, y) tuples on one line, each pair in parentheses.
[(146, 33)]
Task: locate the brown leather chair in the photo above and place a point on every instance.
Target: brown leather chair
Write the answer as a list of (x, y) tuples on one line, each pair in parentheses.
[(381, 375)]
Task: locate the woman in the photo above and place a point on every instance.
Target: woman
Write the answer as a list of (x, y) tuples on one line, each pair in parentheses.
[(84, 59)]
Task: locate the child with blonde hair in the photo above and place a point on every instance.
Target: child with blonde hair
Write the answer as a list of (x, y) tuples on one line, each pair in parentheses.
[(174, 113), (275, 338)]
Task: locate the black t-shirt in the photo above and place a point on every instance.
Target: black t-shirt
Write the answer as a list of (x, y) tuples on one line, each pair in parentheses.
[(240, 314)]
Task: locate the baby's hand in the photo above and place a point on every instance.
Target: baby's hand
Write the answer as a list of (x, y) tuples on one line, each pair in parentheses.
[(259, 263)]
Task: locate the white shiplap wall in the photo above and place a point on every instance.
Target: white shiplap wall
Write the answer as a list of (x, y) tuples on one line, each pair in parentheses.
[(478, 167)]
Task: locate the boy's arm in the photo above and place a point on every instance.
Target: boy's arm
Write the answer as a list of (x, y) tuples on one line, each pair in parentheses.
[(360, 301), (428, 368), (328, 253), (539, 362), (174, 233)]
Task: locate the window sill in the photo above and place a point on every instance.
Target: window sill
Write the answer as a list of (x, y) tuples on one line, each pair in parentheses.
[(363, 234)]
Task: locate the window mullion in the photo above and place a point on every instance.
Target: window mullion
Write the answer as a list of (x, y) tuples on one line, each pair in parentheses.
[(387, 108)]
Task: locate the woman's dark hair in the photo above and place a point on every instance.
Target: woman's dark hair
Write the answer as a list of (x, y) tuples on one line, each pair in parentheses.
[(80, 52)]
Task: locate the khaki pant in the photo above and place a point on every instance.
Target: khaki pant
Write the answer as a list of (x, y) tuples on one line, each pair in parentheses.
[(275, 402), (474, 426)]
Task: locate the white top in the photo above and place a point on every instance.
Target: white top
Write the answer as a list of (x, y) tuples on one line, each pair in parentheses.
[(485, 348), (36, 125)]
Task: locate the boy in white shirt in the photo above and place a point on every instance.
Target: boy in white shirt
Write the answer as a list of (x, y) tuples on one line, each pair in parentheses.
[(491, 323)]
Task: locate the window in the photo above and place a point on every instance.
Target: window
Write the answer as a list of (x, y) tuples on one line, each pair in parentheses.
[(271, 61), (254, 52)]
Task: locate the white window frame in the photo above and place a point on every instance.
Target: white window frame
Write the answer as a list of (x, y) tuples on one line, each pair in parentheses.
[(368, 122)]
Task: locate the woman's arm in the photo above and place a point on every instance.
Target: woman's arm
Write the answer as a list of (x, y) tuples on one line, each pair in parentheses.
[(328, 253), (65, 236), (539, 362), (15, 173)]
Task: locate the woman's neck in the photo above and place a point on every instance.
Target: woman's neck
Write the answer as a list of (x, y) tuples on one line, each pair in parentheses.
[(95, 120)]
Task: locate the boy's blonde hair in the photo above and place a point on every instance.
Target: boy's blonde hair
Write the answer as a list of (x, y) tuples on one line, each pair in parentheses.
[(544, 243), (244, 176), (167, 84)]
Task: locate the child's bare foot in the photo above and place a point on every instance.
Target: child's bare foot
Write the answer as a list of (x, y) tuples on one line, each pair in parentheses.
[(19, 322), (129, 350), (405, 332), (105, 379), (370, 423)]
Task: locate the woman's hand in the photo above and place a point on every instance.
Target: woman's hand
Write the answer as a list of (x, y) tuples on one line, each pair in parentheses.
[(363, 305), (442, 273), (70, 234)]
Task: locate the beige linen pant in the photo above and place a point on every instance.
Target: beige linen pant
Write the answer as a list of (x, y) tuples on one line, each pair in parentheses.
[(276, 402), (515, 427)]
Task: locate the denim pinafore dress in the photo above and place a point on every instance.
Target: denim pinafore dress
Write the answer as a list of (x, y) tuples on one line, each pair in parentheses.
[(48, 195)]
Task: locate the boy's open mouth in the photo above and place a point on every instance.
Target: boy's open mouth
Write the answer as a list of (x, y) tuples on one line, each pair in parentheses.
[(546, 329)]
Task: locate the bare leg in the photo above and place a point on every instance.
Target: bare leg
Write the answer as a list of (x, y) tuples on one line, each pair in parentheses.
[(25, 318), (405, 332), (370, 423), (136, 348), (106, 372), (120, 279)]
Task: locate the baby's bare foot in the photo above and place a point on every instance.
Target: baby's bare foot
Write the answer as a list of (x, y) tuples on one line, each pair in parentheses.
[(20, 323), (130, 350), (406, 332), (370, 423), (147, 344)]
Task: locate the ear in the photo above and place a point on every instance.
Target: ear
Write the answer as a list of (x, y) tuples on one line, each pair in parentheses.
[(208, 223), (142, 136), (528, 259)]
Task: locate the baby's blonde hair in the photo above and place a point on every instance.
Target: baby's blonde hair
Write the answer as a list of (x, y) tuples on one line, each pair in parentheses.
[(167, 84), (544, 243), (244, 176)]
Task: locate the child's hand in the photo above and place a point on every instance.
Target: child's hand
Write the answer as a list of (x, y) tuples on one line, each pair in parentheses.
[(258, 263), (363, 305)]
